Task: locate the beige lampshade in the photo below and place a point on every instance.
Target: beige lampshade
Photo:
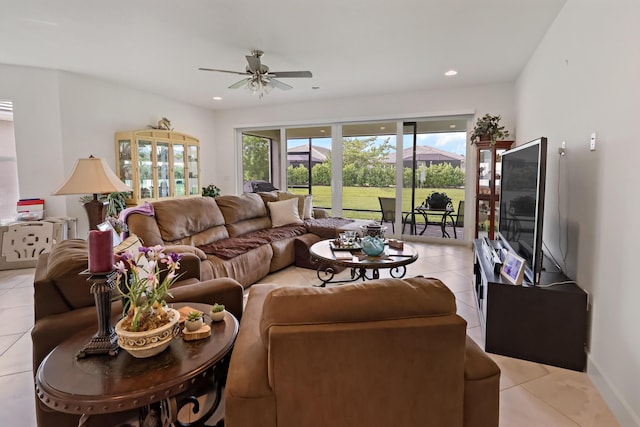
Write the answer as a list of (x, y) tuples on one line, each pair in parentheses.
[(91, 176)]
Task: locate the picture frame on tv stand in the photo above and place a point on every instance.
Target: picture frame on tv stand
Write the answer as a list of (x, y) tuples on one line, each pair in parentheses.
[(513, 268)]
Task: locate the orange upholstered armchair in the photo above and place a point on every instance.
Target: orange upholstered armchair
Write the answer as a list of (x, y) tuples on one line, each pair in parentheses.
[(387, 352)]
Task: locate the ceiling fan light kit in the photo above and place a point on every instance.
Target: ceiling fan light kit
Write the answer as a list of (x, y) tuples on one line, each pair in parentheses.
[(260, 80)]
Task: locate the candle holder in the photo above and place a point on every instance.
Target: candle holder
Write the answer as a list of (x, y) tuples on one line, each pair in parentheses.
[(105, 341)]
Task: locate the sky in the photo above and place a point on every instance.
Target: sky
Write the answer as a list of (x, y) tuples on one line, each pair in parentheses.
[(453, 142)]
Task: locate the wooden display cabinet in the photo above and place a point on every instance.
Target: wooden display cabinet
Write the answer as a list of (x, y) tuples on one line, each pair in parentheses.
[(158, 164), (488, 185)]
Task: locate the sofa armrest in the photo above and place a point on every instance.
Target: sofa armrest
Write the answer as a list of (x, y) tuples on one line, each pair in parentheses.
[(186, 249), (51, 330), (249, 400), (481, 387), (189, 267)]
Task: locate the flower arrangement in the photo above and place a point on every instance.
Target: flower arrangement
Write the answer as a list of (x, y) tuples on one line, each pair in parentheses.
[(488, 128), (142, 282)]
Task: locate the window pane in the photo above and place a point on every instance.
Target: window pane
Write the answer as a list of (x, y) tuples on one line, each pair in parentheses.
[(8, 163), (368, 169), (256, 159)]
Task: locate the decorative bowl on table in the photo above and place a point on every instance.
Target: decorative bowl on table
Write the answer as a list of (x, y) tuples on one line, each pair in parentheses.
[(372, 246), (148, 343)]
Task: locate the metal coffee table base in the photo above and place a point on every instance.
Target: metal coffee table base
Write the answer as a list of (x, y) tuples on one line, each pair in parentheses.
[(326, 275)]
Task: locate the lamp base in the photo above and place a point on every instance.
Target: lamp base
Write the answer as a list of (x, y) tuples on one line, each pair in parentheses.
[(96, 212)]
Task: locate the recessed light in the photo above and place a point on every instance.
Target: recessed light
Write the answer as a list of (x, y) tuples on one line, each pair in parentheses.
[(452, 126), (322, 130), (382, 128), (451, 73), (217, 98)]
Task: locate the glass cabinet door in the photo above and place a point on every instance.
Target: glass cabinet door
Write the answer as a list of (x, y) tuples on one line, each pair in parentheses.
[(157, 165), (485, 171), (145, 169), (194, 173), (162, 168), (178, 170), (488, 186), (125, 162)]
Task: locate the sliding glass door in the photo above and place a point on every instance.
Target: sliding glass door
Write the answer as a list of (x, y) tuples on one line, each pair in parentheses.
[(351, 169)]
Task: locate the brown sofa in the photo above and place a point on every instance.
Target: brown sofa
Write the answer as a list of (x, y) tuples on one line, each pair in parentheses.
[(63, 305), (388, 352), (235, 232)]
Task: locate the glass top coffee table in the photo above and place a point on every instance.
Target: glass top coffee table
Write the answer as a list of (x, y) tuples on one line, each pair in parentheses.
[(363, 266)]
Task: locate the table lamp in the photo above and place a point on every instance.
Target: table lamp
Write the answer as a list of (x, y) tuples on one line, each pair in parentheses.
[(92, 176)]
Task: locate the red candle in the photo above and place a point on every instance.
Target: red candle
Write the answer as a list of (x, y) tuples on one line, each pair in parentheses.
[(100, 251)]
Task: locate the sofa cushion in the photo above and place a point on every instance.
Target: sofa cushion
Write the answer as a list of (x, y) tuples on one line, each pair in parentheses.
[(243, 214), (198, 214), (382, 299), (284, 212), (305, 204)]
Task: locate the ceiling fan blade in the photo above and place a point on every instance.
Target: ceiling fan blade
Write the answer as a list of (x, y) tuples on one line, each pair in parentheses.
[(242, 73), (241, 83), (288, 74), (279, 84), (254, 63)]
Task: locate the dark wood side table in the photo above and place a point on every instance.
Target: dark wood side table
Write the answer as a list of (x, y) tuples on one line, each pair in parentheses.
[(105, 384)]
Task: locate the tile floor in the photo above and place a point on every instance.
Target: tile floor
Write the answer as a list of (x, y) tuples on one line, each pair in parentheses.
[(532, 394)]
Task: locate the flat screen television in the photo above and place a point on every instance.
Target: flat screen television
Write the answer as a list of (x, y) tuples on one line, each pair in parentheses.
[(522, 187)]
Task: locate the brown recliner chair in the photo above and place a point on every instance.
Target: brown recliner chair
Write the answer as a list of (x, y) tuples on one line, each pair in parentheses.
[(63, 305), (388, 352)]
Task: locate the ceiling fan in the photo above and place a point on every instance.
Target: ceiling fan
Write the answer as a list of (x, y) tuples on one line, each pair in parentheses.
[(259, 79)]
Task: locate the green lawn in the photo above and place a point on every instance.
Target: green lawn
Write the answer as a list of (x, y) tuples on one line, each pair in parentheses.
[(366, 198)]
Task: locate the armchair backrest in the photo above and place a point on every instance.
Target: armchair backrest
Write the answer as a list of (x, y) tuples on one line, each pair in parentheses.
[(388, 352)]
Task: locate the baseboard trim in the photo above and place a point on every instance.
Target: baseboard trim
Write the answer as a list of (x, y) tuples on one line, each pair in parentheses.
[(618, 405)]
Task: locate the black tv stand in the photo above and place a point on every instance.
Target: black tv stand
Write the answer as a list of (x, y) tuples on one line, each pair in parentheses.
[(545, 324)]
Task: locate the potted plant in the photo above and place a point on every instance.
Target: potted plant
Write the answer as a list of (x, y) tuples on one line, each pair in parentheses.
[(488, 128), (194, 321), (210, 191), (438, 200), (117, 203), (144, 280), (217, 312)]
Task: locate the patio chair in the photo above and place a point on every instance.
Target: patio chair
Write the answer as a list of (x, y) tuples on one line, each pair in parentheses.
[(458, 218), (388, 209)]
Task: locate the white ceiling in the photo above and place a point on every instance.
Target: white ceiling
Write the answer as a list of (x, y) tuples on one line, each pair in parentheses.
[(352, 47)]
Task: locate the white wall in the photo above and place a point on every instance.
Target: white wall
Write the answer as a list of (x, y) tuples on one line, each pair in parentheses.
[(583, 78), (60, 117), (495, 99)]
